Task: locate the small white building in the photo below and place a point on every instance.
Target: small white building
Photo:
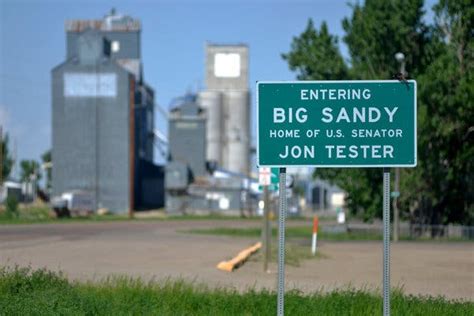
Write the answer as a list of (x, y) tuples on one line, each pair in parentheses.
[(11, 188)]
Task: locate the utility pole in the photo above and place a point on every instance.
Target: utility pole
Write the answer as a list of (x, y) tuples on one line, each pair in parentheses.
[(400, 57)]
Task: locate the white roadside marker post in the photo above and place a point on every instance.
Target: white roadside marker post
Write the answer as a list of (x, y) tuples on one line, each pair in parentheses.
[(315, 235)]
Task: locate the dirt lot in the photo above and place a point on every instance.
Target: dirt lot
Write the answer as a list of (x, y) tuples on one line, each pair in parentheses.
[(157, 250)]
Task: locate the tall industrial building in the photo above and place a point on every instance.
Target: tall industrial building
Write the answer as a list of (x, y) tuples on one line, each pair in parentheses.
[(103, 117), (193, 184), (187, 137), (226, 101)]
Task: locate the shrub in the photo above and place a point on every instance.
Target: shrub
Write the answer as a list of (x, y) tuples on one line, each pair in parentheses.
[(11, 207)]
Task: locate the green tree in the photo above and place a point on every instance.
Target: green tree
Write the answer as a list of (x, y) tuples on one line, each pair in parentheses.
[(6, 159), (378, 30), (440, 189), (30, 171), (46, 159), (315, 55), (374, 33)]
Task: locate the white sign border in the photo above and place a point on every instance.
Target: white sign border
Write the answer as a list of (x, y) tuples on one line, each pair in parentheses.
[(414, 164)]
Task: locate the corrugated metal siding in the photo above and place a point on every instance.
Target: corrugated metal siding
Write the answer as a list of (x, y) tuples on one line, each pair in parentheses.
[(92, 126), (91, 141), (187, 139), (129, 44)]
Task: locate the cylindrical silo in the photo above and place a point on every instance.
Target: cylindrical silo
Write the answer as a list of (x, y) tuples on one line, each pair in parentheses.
[(238, 130), (211, 101)]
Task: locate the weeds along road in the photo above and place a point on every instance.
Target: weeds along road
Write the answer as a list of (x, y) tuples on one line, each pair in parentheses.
[(160, 249)]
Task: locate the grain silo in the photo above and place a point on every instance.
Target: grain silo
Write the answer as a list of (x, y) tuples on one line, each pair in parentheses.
[(227, 104), (211, 102), (103, 117), (237, 128)]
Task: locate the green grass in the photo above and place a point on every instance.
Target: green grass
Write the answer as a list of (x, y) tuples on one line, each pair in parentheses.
[(291, 232), (294, 254), (30, 214), (27, 292), (41, 215), (305, 232)]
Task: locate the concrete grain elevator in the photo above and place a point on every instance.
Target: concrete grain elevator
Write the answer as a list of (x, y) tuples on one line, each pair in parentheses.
[(227, 104)]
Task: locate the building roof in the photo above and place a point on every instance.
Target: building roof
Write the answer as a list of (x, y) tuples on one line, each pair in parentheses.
[(111, 22)]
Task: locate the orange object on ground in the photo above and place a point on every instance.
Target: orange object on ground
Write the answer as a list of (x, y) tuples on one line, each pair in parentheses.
[(238, 260)]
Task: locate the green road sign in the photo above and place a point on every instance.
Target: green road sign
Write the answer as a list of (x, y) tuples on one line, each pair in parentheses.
[(336, 123), (275, 179)]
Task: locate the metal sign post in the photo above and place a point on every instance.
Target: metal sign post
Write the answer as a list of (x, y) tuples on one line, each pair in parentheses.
[(281, 243), (266, 227), (386, 241)]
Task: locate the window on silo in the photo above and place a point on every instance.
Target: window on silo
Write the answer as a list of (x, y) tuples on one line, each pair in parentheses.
[(115, 46), (227, 65)]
